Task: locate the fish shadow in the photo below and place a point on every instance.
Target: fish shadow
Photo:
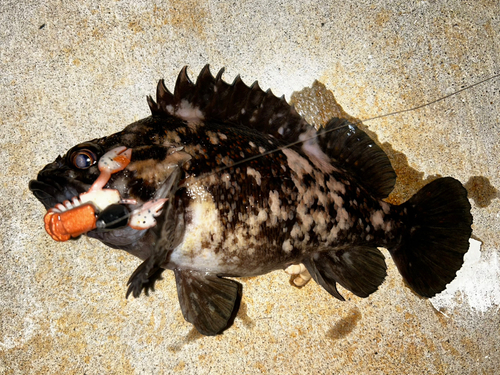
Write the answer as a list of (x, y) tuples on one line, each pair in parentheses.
[(345, 325)]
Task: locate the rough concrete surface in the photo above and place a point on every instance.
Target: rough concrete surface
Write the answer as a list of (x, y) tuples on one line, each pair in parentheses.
[(72, 71)]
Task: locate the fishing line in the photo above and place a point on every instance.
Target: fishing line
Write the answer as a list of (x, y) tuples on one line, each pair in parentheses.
[(111, 223), (221, 169), (433, 101)]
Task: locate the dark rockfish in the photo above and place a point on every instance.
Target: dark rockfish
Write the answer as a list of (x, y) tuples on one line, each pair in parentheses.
[(246, 187)]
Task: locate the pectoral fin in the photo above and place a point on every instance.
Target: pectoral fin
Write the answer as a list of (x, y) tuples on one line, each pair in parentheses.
[(207, 301), (145, 276), (359, 269)]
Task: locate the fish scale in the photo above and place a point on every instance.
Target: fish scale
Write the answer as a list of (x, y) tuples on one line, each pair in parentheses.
[(246, 186)]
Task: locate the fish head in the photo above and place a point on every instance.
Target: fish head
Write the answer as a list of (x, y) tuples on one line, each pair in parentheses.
[(69, 175), (151, 174)]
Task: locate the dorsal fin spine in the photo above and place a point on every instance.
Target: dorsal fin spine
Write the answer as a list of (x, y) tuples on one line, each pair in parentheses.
[(155, 110), (183, 86)]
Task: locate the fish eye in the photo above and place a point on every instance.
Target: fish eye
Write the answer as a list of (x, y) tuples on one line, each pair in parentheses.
[(83, 159)]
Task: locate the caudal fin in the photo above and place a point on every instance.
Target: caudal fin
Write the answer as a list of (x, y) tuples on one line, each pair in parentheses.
[(438, 228)]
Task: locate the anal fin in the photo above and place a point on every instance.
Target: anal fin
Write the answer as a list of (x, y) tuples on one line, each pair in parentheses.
[(359, 269), (207, 301)]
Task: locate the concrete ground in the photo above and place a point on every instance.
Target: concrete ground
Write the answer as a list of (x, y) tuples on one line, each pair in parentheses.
[(72, 71)]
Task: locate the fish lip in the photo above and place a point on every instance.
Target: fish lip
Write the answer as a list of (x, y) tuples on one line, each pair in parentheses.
[(39, 190), (51, 192)]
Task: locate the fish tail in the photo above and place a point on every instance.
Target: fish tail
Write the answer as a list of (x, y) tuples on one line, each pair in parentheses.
[(436, 236)]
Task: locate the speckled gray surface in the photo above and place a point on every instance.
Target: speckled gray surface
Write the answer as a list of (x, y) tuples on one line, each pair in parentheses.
[(71, 72)]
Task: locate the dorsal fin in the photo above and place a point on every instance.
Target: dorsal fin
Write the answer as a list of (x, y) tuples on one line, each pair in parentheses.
[(353, 150), (211, 98), (237, 103)]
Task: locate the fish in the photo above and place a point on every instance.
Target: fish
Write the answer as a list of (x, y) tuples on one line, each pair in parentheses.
[(226, 180)]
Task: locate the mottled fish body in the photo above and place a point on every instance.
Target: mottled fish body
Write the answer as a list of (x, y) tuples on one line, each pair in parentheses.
[(270, 212), (247, 187)]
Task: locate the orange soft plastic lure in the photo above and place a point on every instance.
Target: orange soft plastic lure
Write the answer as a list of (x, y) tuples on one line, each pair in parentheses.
[(61, 226)]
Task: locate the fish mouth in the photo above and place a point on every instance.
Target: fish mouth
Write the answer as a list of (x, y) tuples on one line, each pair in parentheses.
[(51, 191)]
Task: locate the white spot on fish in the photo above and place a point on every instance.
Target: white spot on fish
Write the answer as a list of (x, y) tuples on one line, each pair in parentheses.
[(297, 163), (255, 174), (296, 231), (388, 226), (254, 222), (287, 246), (226, 178), (336, 186), (320, 221), (262, 216), (189, 113), (343, 219), (334, 232), (214, 139), (377, 219), (275, 205), (386, 207), (337, 199)]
